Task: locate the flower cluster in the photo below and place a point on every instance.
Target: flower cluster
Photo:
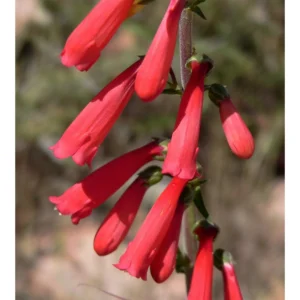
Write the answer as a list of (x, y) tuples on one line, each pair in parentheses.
[(155, 246)]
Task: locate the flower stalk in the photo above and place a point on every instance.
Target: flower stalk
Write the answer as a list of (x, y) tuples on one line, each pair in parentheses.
[(185, 52), (185, 44)]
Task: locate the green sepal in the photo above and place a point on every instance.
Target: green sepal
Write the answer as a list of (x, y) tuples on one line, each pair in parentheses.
[(196, 182), (222, 257), (190, 60), (151, 175), (197, 10), (187, 195), (183, 262), (196, 2), (173, 90), (207, 59), (208, 225), (143, 2), (163, 142), (217, 93)]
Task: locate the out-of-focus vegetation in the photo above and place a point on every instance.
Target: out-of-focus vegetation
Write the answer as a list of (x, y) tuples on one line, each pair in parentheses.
[(246, 41)]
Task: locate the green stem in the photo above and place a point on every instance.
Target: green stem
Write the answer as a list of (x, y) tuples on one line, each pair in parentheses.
[(188, 278)]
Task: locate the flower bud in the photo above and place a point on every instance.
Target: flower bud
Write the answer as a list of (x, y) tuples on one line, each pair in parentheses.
[(201, 284), (224, 262), (239, 137)]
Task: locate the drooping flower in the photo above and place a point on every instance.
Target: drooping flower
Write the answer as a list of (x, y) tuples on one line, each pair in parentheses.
[(85, 134), (201, 284), (165, 259), (83, 47), (239, 137), (118, 222), (141, 251), (231, 286), (153, 73), (183, 147), (232, 289), (80, 199)]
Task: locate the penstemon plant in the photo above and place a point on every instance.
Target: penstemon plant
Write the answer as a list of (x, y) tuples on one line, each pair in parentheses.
[(156, 244)]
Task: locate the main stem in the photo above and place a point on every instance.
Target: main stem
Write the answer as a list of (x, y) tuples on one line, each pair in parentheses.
[(185, 44), (185, 52)]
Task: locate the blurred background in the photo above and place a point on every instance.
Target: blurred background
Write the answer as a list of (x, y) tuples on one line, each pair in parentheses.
[(55, 259)]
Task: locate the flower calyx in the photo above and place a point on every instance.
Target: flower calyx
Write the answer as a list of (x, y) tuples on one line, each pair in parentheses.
[(194, 7), (151, 175), (221, 257), (217, 93), (183, 263)]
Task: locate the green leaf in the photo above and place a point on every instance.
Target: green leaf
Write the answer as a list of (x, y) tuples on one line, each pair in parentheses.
[(199, 203)]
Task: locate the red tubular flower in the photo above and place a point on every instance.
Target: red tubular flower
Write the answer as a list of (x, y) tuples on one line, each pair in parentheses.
[(85, 134), (231, 286), (141, 251), (164, 261), (84, 45), (238, 136), (182, 149), (80, 199), (201, 284), (224, 262), (153, 73), (118, 222)]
